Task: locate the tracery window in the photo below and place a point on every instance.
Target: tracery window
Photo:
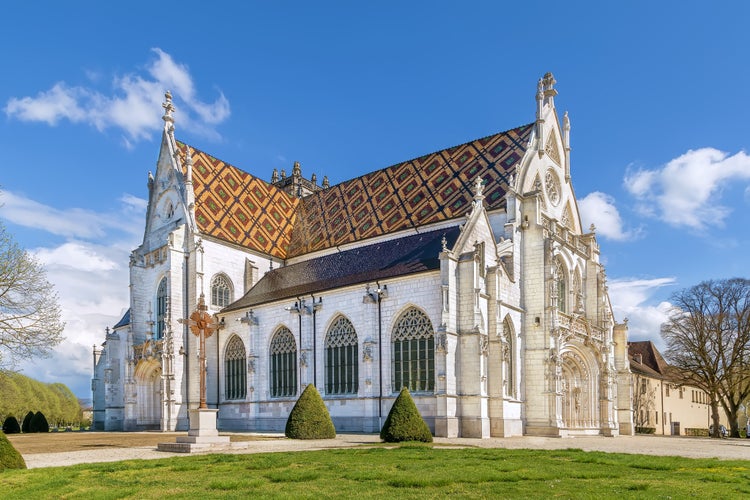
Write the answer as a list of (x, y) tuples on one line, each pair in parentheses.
[(283, 364), (161, 308), (235, 369), (413, 360), (341, 363), (221, 291), (562, 288), (509, 356)]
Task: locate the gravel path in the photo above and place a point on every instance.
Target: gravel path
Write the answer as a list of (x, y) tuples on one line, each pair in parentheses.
[(648, 445)]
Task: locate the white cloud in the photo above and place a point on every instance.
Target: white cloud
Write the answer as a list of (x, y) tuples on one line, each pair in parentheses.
[(71, 222), (687, 190), (91, 279), (133, 104), (632, 298), (599, 209)]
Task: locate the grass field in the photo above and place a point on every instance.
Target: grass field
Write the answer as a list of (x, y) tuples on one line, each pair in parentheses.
[(407, 471)]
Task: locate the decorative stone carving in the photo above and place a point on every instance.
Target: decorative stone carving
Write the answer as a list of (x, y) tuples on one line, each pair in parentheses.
[(552, 184), (440, 343)]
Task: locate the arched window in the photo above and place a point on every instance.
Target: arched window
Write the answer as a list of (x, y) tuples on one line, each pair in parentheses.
[(161, 308), (509, 358), (562, 288), (221, 291), (235, 369), (413, 361), (283, 364), (342, 373)]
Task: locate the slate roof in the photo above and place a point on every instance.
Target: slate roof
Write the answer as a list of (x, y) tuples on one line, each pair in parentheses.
[(408, 255), (240, 208), (124, 321)]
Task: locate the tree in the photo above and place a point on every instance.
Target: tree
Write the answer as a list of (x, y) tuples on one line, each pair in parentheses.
[(708, 340), (9, 456), (11, 426), (39, 423), (644, 403), (26, 425), (404, 422), (309, 419), (30, 322)]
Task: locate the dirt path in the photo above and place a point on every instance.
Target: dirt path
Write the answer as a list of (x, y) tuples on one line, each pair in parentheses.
[(50, 450)]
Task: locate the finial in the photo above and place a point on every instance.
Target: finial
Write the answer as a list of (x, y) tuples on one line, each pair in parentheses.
[(107, 330), (325, 182), (592, 228), (314, 179), (296, 170), (539, 90), (168, 108), (275, 176), (189, 163), (478, 189), (444, 242), (202, 303), (283, 173)]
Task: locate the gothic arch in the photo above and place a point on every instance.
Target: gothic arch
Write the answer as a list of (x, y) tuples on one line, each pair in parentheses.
[(413, 351), (561, 285), (283, 363), (510, 358), (341, 357), (222, 290), (235, 369), (580, 389), (147, 375)]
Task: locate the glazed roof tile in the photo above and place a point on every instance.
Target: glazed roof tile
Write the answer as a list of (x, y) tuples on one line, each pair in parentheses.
[(240, 208)]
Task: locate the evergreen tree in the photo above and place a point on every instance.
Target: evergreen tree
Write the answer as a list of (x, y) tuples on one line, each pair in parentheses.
[(26, 425), (309, 419), (39, 423), (9, 456), (10, 426), (404, 422)]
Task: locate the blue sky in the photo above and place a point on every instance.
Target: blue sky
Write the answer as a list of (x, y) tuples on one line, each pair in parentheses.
[(656, 93)]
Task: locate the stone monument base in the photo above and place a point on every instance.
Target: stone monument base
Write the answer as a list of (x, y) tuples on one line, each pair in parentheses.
[(202, 435)]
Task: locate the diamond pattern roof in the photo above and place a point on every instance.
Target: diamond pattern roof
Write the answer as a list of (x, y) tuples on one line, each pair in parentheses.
[(240, 208)]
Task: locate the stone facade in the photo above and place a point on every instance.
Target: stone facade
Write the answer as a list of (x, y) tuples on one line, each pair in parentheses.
[(485, 296)]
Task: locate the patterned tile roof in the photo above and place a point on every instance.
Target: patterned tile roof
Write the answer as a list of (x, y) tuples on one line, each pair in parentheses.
[(428, 189), (240, 208), (237, 207)]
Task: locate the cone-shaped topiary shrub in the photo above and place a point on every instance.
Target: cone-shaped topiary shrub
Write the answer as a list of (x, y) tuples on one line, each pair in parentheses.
[(11, 426), (39, 423), (309, 418), (404, 423), (26, 425), (9, 456)]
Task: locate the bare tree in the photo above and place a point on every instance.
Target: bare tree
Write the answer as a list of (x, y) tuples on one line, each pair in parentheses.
[(708, 339), (30, 322), (644, 403)]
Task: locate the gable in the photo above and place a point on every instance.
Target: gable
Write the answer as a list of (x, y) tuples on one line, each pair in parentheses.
[(237, 207)]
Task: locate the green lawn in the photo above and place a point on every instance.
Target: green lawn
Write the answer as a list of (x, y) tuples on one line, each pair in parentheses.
[(408, 471)]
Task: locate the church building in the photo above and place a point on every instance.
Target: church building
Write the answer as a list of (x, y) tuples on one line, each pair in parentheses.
[(463, 275)]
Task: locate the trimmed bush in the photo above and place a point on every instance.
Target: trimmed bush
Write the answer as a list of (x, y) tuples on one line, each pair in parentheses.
[(645, 430), (404, 422), (11, 426), (39, 423), (26, 425), (309, 419), (9, 456)]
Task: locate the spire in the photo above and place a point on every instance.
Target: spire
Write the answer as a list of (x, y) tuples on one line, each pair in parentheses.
[(539, 119), (566, 144), (168, 110), (549, 89)]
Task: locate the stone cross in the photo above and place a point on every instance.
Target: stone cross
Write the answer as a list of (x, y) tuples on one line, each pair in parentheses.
[(203, 325)]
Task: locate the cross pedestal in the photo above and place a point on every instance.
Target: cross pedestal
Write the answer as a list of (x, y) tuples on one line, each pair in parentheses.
[(202, 433)]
